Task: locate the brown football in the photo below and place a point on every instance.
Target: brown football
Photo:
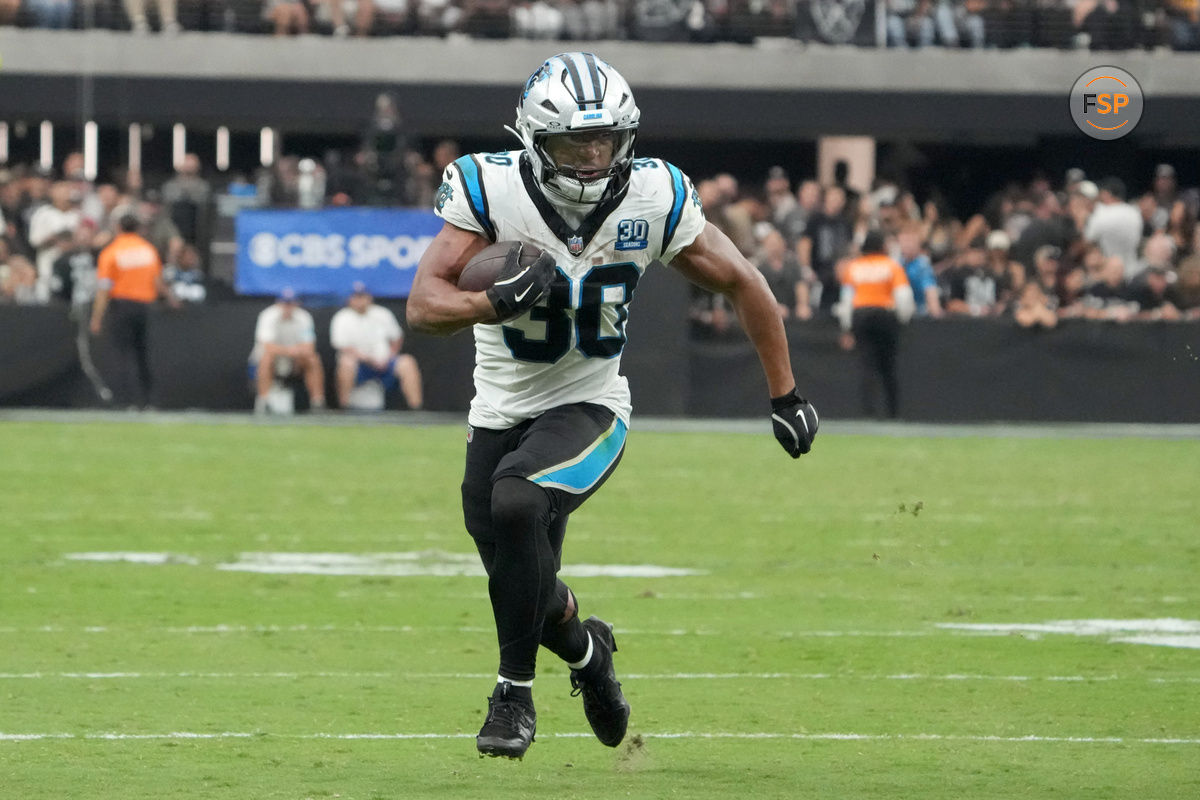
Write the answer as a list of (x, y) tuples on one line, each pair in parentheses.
[(481, 271)]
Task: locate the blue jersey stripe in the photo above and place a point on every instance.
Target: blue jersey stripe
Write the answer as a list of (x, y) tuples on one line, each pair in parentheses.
[(472, 180), (677, 186), (582, 473)]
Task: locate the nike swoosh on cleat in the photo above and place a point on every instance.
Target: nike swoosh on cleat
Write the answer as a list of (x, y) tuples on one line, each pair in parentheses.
[(513, 279)]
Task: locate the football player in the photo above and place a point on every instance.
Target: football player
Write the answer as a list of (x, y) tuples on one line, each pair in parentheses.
[(548, 421)]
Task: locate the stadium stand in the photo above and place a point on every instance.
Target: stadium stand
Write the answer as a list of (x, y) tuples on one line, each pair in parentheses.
[(1109, 25), (746, 89)]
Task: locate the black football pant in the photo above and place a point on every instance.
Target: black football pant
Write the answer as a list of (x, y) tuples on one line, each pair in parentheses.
[(877, 337), (519, 488), (128, 322)]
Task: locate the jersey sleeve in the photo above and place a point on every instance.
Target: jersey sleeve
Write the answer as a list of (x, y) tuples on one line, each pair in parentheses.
[(684, 218), (462, 199)]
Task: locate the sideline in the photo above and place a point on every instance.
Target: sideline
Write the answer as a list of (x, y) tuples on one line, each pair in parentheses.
[(837, 427)]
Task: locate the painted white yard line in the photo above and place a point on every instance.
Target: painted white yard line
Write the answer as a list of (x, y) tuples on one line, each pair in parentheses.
[(1160, 632), (231, 628), (1163, 632), (106, 676), (414, 563), (641, 676), (1083, 627), (711, 735)]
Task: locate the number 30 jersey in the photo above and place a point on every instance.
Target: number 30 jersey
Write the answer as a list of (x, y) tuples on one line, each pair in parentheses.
[(566, 349)]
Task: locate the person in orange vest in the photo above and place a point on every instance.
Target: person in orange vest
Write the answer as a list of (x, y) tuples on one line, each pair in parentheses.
[(128, 281), (876, 299)]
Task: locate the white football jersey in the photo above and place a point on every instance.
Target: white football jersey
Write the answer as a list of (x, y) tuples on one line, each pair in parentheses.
[(566, 349)]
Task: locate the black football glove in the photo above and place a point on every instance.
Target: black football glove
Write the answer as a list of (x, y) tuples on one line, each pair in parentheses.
[(795, 423), (518, 288)]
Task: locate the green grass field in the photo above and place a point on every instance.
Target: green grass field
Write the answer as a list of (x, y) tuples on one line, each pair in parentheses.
[(819, 648)]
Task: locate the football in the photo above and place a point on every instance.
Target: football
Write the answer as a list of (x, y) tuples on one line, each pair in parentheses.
[(481, 271)]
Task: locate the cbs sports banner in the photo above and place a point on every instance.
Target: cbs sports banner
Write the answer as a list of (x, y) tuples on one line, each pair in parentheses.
[(323, 252)]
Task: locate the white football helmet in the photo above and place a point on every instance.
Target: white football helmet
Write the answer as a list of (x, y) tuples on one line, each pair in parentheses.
[(570, 94)]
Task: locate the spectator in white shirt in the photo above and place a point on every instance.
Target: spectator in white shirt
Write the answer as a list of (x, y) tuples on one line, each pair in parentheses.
[(52, 227), (367, 338), (1116, 226), (285, 344)]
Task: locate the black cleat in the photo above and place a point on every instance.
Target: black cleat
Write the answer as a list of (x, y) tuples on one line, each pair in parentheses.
[(509, 726), (606, 709)]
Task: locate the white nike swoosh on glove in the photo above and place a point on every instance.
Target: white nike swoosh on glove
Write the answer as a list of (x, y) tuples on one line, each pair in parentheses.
[(785, 424), (521, 296), (800, 416), (513, 279)]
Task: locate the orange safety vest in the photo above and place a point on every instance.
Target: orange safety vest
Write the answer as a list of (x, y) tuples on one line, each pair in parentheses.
[(873, 277), (129, 268)]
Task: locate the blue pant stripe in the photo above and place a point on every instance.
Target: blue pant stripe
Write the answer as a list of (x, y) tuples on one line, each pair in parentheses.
[(582, 472)]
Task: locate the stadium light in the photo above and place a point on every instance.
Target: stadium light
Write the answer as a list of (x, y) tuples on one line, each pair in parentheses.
[(178, 145), (46, 158), (222, 148), (135, 147), (266, 147), (91, 149), (3, 142)]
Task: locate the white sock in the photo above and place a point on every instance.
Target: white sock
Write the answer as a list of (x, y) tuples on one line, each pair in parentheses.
[(587, 657), (511, 682)]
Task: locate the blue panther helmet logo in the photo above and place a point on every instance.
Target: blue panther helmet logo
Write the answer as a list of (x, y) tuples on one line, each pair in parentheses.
[(445, 193), (542, 73)]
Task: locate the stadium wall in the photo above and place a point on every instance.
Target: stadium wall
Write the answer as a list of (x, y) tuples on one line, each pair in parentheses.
[(951, 370)]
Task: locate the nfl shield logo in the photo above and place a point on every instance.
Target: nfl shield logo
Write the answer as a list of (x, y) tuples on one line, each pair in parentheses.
[(575, 245)]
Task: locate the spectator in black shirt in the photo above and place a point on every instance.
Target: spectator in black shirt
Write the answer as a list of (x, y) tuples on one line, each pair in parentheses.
[(186, 196), (1155, 295), (1049, 226), (784, 276), (826, 241), (969, 287), (1108, 298)]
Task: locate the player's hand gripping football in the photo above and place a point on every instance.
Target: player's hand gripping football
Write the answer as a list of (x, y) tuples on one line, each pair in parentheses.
[(518, 286), (795, 423)]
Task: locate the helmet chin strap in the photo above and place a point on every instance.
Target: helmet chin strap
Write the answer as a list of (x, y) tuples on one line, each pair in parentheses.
[(562, 193)]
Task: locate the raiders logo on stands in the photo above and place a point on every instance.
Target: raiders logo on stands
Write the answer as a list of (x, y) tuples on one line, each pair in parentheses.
[(837, 21)]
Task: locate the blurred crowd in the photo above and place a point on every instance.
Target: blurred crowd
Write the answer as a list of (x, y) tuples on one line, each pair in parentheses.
[(54, 223), (1039, 252), (1096, 24), (1082, 246)]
